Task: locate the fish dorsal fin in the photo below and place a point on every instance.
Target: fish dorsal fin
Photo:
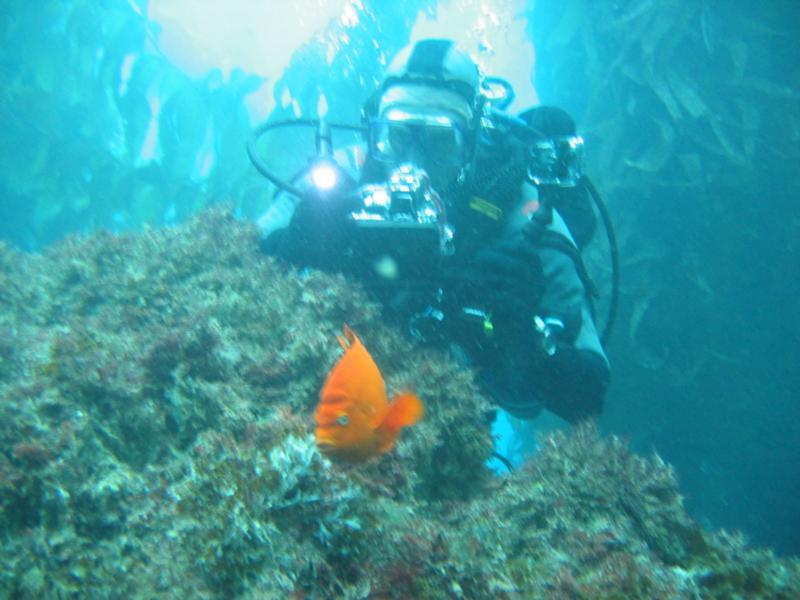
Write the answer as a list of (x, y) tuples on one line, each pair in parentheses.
[(349, 339)]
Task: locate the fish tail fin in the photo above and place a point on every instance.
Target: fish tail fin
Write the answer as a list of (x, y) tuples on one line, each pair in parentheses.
[(405, 409)]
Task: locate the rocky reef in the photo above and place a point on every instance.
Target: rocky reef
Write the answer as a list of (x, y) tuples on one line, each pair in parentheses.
[(156, 393)]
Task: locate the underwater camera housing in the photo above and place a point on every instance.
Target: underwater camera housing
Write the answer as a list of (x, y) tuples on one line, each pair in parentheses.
[(397, 215), (402, 216)]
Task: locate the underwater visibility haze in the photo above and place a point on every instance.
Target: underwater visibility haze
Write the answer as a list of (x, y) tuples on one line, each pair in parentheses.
[(160, 376)]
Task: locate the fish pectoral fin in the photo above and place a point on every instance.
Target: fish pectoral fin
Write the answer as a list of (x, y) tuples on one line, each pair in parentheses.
[(405, 409), (386, 440)]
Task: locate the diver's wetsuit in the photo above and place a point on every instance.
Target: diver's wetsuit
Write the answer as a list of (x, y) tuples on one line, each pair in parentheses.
[(572, 382), (520, 376)]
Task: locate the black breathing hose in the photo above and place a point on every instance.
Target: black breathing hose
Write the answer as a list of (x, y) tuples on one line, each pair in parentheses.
[(614, 252), (323, 130)]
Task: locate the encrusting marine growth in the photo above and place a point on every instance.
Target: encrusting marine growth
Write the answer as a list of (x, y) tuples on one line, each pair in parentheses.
[(157, 393)]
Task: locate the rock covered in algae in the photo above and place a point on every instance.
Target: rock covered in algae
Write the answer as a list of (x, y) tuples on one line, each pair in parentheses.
[(157, 393)]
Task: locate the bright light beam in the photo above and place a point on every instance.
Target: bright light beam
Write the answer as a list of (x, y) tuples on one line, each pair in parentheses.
[(252, 35)]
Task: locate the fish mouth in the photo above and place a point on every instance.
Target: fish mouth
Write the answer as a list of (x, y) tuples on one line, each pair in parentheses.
[(326, 444), (331, 450)]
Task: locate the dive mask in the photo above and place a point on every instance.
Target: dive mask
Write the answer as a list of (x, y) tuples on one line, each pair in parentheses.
[(427, 139)]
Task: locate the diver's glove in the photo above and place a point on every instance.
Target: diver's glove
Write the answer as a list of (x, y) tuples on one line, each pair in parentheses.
[(501, 287), (309, 232)]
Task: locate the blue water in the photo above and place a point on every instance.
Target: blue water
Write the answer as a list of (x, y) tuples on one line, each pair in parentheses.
[(692, 125)]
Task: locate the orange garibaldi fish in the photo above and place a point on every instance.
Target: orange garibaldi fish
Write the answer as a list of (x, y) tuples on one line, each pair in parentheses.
[(354, 419)]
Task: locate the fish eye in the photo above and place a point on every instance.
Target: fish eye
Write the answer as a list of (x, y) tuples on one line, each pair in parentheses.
[(342, 420)]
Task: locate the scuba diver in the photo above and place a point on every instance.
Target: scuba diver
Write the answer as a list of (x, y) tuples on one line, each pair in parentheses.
[(458, 222)]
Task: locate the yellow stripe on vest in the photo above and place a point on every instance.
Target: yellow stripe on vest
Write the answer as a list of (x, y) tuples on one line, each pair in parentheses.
[(487, 208)]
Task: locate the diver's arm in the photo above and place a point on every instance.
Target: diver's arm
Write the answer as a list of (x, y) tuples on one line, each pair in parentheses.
[(290, 222), (571, 382), (308, 232), (273, 225)]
